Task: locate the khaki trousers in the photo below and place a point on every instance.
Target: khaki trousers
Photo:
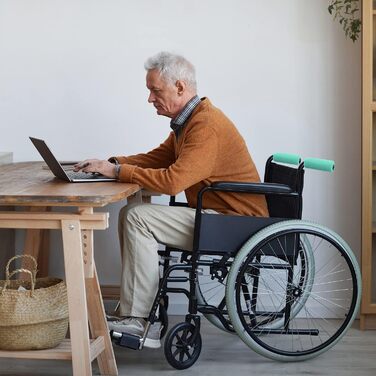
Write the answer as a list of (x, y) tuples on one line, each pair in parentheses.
[(141, 227)]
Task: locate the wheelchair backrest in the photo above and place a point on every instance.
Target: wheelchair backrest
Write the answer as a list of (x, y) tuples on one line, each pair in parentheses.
[(285, 206)]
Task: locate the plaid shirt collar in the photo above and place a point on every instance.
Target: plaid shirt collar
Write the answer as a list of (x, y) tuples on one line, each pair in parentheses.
[(178, 123)]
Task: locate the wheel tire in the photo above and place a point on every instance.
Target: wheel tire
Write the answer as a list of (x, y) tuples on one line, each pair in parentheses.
[(181, 348)]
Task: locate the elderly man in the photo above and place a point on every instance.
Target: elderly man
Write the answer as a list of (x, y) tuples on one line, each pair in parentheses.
[(203, 147)]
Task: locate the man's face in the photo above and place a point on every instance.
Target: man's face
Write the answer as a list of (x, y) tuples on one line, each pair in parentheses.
[(166, 98)]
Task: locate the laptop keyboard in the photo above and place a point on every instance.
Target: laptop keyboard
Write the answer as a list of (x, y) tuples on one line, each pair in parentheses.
[(84, 175)]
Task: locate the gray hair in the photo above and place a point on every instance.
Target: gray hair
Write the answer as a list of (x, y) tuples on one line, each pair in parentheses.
[(173, 68)]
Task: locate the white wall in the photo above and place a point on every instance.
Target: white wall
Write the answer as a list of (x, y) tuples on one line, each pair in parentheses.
[(71, 72)]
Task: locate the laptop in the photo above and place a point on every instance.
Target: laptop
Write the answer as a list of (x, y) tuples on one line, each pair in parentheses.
[(59, 171)]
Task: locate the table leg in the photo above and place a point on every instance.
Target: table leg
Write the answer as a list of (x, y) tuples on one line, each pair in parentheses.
[(78, 317), (44, 254), (98, 325), (37, 245), (97, 316)]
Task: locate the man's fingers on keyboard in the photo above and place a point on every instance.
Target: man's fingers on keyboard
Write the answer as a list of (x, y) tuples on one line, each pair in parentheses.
[(80, 166)]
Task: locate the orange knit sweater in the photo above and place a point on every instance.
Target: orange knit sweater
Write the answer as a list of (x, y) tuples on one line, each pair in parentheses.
[(208, 149)]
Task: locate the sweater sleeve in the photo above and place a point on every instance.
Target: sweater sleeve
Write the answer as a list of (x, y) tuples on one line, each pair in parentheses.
[(160, 157), (195, 163)]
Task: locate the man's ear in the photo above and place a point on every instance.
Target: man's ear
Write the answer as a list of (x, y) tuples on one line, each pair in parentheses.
[(181, 86)]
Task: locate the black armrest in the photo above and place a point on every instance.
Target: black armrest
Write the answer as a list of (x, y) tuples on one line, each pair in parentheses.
[(257, 188)]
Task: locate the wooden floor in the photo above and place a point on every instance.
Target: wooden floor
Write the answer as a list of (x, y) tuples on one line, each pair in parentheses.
[(224, 354)]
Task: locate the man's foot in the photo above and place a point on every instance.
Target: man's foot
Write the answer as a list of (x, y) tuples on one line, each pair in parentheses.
[(136, 326)]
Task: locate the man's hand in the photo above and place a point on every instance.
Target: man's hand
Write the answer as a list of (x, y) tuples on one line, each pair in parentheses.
[(95, 165)]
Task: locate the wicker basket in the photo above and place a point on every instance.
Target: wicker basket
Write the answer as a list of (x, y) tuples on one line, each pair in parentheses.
[(35, 318)]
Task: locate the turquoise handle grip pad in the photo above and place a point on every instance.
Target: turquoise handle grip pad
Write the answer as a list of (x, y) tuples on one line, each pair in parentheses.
[(319, 164), (287, 158)]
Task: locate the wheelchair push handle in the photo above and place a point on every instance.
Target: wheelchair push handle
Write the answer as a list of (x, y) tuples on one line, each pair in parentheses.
[(287, 158), (319, 164), (312, 163)]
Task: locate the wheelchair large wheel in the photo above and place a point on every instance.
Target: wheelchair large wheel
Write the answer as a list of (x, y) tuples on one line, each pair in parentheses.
[(262, 289)]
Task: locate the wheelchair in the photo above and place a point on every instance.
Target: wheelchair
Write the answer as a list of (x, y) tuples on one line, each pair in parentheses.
[(289, 288)]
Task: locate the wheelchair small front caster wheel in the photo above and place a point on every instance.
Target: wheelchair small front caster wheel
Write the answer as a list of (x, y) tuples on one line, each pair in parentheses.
[(182, 347)]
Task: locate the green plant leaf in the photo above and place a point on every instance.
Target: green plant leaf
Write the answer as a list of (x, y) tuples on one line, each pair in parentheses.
[(348, 15)]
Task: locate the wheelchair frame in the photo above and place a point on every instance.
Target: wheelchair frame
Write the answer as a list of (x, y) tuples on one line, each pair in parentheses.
[(212, 237)]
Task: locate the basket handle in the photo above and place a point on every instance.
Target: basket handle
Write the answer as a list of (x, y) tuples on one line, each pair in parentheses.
[(32, 272), (32, 279)]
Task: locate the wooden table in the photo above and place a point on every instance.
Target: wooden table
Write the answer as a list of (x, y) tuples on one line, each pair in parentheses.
[(29, 186)]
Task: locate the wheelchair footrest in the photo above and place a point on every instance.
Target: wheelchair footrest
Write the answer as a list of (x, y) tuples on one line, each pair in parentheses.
[(130, 341)]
